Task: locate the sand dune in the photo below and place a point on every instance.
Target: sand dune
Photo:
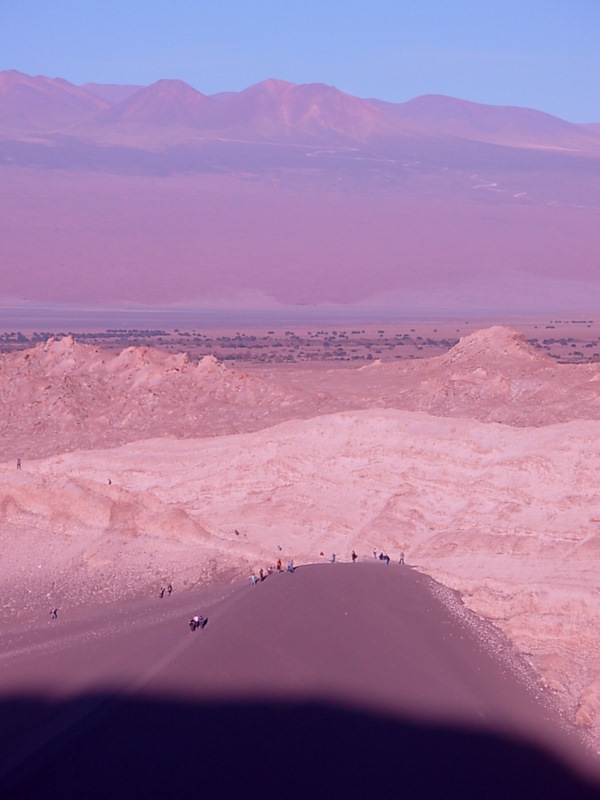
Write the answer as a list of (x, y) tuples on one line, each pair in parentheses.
[(318, 677), (143, 468), (508, 516)]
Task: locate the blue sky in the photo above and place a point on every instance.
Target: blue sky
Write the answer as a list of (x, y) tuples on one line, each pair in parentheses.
[(543, 54)]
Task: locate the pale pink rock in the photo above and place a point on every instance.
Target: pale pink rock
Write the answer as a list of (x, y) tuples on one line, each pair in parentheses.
[(140, 465)]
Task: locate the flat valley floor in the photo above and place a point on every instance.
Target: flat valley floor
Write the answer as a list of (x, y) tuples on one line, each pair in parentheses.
[(565, 339)]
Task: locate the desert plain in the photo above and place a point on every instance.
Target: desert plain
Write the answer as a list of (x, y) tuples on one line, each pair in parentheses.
[(141, 467)]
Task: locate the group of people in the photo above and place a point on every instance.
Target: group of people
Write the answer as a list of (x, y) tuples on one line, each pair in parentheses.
[(290, 567), (262, 574), (168, 590), (384, 557), (197, 621)]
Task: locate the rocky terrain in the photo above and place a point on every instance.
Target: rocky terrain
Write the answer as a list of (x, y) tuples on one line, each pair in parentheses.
[(481, 464)]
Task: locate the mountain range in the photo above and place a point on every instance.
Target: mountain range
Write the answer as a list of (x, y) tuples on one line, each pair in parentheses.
[(273, 110), (292, 194)]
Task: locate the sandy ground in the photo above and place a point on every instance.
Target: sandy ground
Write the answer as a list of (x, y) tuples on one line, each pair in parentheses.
[(380, 650)]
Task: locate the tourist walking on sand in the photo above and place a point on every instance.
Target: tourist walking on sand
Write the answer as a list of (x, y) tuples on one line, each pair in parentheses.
[(290, 567), (354, 557), (197, 621), (253, 579), (54, 613), (332, 559), (170, 589), (161, 594)]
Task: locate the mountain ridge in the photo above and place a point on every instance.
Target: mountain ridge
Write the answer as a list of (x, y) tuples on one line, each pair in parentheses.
[(493, 375), (272, 106)]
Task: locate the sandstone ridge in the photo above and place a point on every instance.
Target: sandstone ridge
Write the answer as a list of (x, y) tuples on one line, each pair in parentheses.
[(62, 394)]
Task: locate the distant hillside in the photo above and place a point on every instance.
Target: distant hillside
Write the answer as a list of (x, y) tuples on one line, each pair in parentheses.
[(293, 194)]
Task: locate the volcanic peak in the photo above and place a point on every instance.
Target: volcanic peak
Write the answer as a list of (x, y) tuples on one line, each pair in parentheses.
[(164, 103), (46, 103)]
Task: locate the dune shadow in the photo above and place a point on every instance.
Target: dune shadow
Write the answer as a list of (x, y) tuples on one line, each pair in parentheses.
[(125, 747)]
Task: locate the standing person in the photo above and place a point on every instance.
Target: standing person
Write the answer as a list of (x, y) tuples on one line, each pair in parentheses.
[(401, 561), (253, 579), (261, 574), (354, 557), (54, 613), (278, 565), (374, 552), (170, 589), (386, 558), (290, 567), (332, 559), (18, 463), (161, 594)]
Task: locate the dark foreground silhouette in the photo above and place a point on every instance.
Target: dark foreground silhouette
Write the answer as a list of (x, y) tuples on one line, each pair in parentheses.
[(120, 747)]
